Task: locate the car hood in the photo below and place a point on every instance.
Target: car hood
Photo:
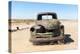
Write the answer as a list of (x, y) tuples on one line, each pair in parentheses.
[(49, 24)]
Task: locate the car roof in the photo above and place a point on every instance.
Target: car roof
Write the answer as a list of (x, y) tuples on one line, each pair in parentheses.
[(46, 13)]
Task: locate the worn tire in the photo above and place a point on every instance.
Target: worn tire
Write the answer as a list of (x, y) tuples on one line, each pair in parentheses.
[(62, 30), (35, 43), (61, 42)]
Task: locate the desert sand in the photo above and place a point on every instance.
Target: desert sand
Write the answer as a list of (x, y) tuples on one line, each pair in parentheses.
[(20, 39)]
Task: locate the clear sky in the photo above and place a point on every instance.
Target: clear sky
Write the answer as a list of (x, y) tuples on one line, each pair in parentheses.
[(29, 10)]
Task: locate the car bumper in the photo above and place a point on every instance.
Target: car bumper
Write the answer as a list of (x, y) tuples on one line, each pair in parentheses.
[(58, 38)]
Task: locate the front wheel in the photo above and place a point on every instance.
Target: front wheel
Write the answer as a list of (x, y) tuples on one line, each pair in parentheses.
[(36, 43), (62, 30)]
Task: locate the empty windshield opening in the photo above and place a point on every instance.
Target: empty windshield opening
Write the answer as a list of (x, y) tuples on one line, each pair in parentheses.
[(47, 17)]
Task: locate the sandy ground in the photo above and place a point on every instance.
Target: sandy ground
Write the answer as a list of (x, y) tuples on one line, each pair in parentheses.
[(20, 39)]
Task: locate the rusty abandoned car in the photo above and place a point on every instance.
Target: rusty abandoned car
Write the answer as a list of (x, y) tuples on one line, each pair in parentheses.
[(47, 30)]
